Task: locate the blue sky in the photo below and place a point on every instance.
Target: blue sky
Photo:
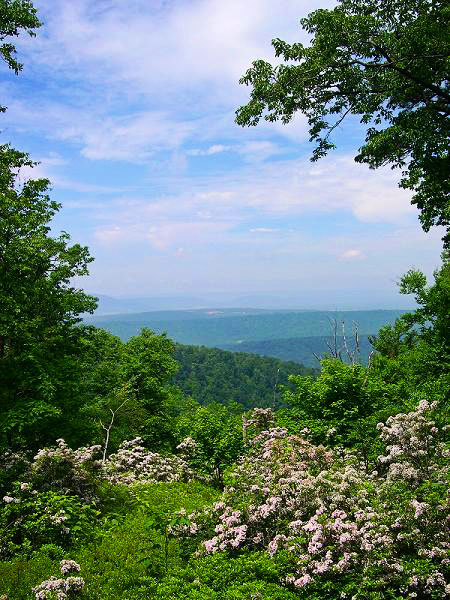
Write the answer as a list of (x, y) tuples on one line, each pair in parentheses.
[(129, 107)]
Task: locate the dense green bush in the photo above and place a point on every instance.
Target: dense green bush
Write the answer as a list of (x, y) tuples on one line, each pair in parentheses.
[(254, 575), (126, 551), (30, 519), (211, 438)]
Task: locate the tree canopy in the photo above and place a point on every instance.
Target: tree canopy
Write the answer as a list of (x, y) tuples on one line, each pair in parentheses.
[(38, 305), (15, 16), (387, 62)]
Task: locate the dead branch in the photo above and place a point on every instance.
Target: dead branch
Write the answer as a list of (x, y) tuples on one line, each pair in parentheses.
[(109, 427)]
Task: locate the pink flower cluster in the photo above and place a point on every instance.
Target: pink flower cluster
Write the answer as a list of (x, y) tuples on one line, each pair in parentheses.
[(62, 588), (336, 518), (76, 472), (260, 418), (187, 447), (10, 460), (414, 448), (49, 516), (67, 470), (69, 566), (133, 463)]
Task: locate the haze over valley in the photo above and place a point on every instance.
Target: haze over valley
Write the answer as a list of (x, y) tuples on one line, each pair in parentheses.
[(301, 336)]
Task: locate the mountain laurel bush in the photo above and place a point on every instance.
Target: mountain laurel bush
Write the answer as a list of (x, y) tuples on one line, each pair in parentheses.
[(361, 533)]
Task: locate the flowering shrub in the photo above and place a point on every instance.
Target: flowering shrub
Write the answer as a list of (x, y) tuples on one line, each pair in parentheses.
[(415, 449), (187, 447), (13, 465), (79, 472), (29, 519), (379, 534), (259, 419), (58, 503), (67, 471), (133, 463), (62, 588)]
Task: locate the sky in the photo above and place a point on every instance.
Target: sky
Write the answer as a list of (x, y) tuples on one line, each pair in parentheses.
[(129, 109)]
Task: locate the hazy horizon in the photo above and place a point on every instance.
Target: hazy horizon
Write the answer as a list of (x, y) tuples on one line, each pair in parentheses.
[(346, 302)]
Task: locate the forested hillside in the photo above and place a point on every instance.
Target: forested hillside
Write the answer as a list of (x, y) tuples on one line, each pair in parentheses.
[(125, 474), (217, 327), (211, 375), (308, 350)]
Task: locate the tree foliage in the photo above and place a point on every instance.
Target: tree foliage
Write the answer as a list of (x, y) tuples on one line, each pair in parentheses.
[(132, 380), (15, 16), (211, 375), (341, 407), (387, 62), (38, 305), (216, 433)]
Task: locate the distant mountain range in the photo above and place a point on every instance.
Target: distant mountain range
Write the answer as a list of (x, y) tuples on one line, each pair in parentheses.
[(109, 306), (284, 334), (306, 300)]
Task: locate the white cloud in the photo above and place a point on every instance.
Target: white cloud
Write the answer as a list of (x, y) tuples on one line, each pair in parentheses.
[(152, 82), (48, 167), (133, 138), (283, 191), (258, 150), (133, 78), (214, 149), (166, 237), (263, 230), (251, 151), (352, 254), (201, 44), (109, 235)]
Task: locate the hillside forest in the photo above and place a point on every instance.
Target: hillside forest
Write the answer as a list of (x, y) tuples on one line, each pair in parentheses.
[(139, 469), (300, 336)]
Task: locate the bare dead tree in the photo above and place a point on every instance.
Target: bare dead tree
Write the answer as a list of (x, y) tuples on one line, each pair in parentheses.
[(350, 355), (369, 364), (351, 347), (275, 385), (354, 353), (357, 346), (333, 347), (317, 357), (244, 430), (108, 428)]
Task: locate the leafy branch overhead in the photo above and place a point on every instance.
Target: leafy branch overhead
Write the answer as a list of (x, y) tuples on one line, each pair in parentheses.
[(387, 62), (15, 16)]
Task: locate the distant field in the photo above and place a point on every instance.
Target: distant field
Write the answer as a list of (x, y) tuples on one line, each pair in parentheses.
[(271, 333)]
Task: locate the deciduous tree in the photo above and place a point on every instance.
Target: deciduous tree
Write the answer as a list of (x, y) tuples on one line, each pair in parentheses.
[(16, 16), (386, 61), (38, 305)]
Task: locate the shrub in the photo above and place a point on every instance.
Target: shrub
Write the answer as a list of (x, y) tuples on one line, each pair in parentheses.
[(133, 463), (30, 519), (63, 587), (377, 534), (13, 466), (67, 471), (251, 576)]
